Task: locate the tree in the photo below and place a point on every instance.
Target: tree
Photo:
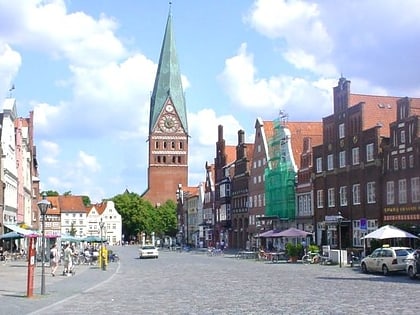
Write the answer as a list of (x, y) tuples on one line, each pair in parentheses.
[(86, 200), (50, 193), (139, 215), (73, 230)]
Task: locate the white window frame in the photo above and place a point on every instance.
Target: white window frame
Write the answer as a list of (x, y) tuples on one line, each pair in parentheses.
[(343, 196), (341, 130), (402, 191), (356, 194), (319, 165), (330, 162), (355, 158), (342, 159), (371, 193), (395, 164), (369, 152), (320, 198), (331, 197), (390, 193), (415, 189)]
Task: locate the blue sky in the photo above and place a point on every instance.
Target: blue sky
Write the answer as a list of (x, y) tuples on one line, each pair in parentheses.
[(87, 69)]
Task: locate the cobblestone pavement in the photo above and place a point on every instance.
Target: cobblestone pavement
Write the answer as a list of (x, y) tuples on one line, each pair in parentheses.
[(194, 283)]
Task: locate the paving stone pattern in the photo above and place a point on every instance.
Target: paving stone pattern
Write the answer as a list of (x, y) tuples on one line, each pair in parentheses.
[(195, 283)]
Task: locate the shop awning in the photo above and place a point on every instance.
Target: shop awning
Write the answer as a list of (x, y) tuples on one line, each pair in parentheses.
[(20, 230)]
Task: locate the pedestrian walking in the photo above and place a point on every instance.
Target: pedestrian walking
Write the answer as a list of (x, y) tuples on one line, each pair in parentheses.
[(54, 259), (68, 260)]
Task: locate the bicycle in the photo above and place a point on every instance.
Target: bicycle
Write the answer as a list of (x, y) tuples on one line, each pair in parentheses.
[(311, 258)]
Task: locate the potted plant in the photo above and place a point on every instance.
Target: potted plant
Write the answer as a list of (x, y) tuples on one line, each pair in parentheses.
[(293, 251)]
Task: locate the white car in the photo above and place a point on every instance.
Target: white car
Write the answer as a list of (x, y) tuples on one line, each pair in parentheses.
[(386, 260), (148, 251), (413, 264)]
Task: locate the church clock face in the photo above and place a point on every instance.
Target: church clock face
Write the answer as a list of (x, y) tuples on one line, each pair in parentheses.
[(168, 123)]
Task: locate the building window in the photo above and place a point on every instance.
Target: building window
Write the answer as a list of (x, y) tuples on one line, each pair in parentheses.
[(403, 163), (402, 136), (331, 197), (330, 162), (395, 164), (411, 161), (319, 165), (259, 148), (390, 196), (342, 158), (356, 194), (371, 196), (341, 131), (355, 156), (320, 198), (343, 196), (415, 189), (369, 152), (402, 191), (255, 164)]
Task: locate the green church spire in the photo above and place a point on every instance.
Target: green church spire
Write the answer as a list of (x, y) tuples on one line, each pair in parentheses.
[(168, 81)]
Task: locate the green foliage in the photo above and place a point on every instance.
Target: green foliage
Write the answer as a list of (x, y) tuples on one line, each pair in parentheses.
[(293, 250), (313, 248), (67, 193), (50, 193), (73, 230), (139, 215), (86, 200)]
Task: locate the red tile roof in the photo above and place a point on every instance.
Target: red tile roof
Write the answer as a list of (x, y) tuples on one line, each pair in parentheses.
[(377, 111), (301, 130), (71, 204)]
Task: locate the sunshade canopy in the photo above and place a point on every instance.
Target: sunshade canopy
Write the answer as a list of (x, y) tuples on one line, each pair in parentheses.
[(388, 231)]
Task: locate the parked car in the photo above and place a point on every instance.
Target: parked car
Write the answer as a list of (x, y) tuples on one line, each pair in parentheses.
[(386, 259), (148, 251), (413, 264)]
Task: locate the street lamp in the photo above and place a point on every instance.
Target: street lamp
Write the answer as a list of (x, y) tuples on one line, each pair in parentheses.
[(101, 226), (180, 199), (43, 207), (339, 219)]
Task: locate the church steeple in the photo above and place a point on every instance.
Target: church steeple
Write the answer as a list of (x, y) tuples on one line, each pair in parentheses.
[(168, 82), (168, 130)]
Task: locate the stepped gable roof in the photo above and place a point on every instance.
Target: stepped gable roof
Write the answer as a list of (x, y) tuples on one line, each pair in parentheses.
[(268, 127), (377, 111), (415, 106), (230, 151), (301, 130), (191, 191), (100, 207), (250, 151), (71, 204), (55, 205)]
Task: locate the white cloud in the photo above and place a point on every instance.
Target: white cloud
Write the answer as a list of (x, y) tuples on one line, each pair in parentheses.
[(10, 61), (88, 163), (257, 94), (51, 152)]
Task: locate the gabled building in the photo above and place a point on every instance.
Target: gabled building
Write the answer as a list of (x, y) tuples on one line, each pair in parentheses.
[(258, 223), (240, 193), (24, 162), (53, 218), (207, 227), (224, 165), (106, 213), (168, 128), (348, 166), (73, 215), (401, 168), (9, 175)]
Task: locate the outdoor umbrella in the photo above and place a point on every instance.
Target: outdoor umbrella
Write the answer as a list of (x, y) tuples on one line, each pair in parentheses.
[(269, 233), (94, 239), (388, 231), (11, 235), (292, 232)]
